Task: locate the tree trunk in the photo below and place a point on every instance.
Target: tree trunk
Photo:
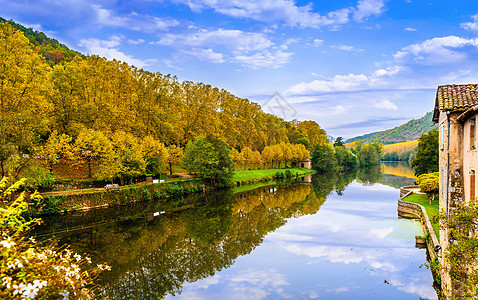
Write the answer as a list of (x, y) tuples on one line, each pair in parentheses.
[(170, 169)]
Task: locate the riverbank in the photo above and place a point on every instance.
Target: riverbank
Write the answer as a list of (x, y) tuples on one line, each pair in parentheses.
[(416, 205), (86, 199)]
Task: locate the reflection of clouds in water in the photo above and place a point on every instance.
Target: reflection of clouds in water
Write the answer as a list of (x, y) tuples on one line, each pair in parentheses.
[(261, 278), (341, 289), (381, 232), (377, 187), (313, 295), (207, 282), (423, 290), (247, 284)]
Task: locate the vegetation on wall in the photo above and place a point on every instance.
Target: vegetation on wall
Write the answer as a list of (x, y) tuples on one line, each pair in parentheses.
[(462, 251)]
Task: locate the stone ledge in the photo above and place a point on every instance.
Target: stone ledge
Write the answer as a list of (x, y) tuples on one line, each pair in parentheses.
[(419, 211)]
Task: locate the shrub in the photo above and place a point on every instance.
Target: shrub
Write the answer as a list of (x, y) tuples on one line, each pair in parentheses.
[(428, 184), (279, 176), (288, 174), (29, 270), (39, 177)]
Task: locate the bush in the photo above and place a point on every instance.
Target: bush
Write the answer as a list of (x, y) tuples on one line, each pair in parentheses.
[(31, 271), (279, 176), (288, 174), (39, 177), (428, 184)]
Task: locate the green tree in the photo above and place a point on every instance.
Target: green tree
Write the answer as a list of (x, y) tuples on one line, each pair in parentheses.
[(323, 158), (209, 158), (426, 159), (339, 141), (370, 154)]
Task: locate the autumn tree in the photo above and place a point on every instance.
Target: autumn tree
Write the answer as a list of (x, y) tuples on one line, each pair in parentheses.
[(24, 88), (428, 184), (174, 157), (154, 153), (92, 146)]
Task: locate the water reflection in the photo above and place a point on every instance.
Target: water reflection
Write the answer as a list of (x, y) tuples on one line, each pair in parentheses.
[(273, 242)]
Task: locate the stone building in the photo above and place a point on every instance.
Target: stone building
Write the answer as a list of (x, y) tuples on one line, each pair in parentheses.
[(456, 110)]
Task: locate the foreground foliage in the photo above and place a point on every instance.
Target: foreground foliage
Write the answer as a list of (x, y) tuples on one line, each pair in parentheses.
[(29, 270), (462, 254)]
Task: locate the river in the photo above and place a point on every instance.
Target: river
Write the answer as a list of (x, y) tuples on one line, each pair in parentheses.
[(327, 237)]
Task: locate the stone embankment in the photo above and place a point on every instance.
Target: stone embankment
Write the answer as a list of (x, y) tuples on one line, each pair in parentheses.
[(407, 208)]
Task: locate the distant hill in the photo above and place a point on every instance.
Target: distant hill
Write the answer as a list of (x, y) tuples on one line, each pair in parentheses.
[(409, 131), (51, 49)]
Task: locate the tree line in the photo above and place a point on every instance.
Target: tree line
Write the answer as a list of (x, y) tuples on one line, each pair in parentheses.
[(111, 113)]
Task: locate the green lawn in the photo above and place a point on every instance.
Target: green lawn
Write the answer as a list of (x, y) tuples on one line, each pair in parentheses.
[(432, 210), (251, 176)]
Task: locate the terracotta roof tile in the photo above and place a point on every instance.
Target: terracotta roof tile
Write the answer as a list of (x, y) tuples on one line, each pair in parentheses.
[(457, 97)]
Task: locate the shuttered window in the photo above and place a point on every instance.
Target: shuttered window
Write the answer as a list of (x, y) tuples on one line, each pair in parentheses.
[(472, 184), (472, 134)]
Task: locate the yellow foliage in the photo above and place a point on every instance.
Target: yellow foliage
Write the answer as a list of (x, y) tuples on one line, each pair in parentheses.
[(400, 148)]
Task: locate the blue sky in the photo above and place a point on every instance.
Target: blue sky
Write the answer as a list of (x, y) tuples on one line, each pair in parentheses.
[(353, 66)]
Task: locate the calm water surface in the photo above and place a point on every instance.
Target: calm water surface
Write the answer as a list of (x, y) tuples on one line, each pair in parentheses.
[(335, 237)]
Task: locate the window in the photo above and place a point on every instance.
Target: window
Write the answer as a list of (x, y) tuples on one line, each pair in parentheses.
[(441, 182), (472, 134), (442, 136), (472, 184)]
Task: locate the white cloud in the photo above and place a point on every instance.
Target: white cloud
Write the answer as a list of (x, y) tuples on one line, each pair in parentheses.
[(107, 48), (410, 29), (136, 42), (449, 57), (287, 11), (386, 104), (436, 51), (133, 21), (251, 49), (348, 48), (318, 42), (471, 26), (368, 8), (207, 55), (264, 59), (235, 40)]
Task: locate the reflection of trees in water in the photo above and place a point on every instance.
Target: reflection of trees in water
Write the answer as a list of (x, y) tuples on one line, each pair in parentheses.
[(324, 184), (152, 259), (370, 175)]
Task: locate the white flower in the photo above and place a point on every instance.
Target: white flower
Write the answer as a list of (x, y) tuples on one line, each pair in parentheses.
[(7, 281), (30, 291), (32, 240), (77, 257), (39, 284), (17, 289), (88, 259), (7, 243)]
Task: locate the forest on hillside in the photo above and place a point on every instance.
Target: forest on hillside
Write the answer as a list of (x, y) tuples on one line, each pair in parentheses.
[(88, 108), (410, 131)]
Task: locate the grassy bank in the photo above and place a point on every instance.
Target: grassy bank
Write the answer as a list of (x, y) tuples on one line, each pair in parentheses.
[(255, 176), (431, 209)]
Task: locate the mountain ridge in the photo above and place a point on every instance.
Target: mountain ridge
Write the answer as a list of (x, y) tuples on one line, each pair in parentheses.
[(411, 130)]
